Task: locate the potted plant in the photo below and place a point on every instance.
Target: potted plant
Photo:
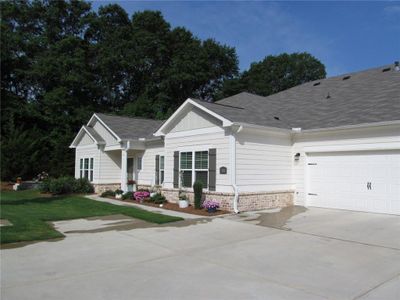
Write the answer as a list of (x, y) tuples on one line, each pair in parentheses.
[(118, 194), (211, 205), (183, 200), (153, 191)]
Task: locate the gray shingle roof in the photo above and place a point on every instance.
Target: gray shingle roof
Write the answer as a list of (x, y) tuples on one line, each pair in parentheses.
[(129, 127), (95, 135), (366, 97)]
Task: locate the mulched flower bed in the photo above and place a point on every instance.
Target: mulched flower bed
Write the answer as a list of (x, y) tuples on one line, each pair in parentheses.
[(175, 207)]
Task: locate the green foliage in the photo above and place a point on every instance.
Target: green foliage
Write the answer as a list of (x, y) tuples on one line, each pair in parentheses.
[(61, 61), (119, 192), (30, 212), (107, 194), (127, 196), (275, 74), (66, 185), (83, 185), (198, 194), (158, 198)]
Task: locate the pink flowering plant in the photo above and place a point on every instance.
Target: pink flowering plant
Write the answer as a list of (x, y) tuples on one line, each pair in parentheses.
[(210, 204), (141, 195)]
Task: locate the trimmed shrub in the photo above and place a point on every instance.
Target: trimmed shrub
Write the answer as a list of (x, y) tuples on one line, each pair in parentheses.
[(198, 194), (44, 186), (62, 185), (158, 198), (83, 185), (66, 185), (107, 194), (127, 196)]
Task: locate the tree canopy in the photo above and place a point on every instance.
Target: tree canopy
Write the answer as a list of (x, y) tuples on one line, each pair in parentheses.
[(274, 74), (61, 61)]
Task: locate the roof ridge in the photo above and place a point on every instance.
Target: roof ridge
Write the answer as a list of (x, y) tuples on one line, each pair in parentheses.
[(128, 117)]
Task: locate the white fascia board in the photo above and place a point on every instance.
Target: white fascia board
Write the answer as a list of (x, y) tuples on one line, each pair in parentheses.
[(263, 128), (77, 137), (353, 147), (105, 125), (160, 131), (113, 147), (357, 126)]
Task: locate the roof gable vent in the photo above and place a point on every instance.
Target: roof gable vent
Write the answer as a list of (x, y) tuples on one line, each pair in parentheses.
[(317, 83), (386, 69), (346, 77)]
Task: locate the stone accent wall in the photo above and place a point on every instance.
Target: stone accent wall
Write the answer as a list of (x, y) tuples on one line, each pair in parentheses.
[(247, 200), (100, 188)]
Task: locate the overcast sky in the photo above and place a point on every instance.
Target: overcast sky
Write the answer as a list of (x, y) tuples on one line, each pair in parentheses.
[(345, 36)]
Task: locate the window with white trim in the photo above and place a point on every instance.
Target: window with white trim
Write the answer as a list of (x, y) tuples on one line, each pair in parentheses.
[(139, 163), (86, 168), (161, 169), (194, 169), (201, 167)]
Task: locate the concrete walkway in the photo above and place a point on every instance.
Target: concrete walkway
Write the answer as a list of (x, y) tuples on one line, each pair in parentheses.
[(158, 210)]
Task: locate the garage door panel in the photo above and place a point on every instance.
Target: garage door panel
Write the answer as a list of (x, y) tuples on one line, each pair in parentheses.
[(364, 181)]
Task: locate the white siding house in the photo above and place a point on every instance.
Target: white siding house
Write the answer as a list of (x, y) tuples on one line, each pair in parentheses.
[(331, 143)]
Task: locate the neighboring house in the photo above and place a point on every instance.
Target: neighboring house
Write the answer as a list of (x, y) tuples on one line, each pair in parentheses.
[(329, 143)]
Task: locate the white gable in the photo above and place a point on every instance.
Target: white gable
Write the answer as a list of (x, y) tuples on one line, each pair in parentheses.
[(85, 140), (195, 119), (109, 138)]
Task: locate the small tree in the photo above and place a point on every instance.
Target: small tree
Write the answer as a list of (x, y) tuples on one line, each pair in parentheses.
[(198, 194)]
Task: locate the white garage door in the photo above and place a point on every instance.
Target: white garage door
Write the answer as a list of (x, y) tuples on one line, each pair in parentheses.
[(364, 181)]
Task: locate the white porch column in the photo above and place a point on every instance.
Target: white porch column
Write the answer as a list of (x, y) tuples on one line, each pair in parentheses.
[(124, 170)]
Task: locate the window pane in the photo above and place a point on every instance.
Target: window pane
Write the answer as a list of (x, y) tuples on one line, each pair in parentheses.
[(80, 174), (86, 163), (139, 163), (187, 179), (87, 174), (201, 160), (81, 163), (202, 176), (186, 160), (161, 177), (91, 163), (91, 175), (161, 162)]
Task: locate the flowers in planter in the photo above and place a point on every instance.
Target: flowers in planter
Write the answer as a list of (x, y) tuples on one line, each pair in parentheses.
[(210, 205), (141, 195)]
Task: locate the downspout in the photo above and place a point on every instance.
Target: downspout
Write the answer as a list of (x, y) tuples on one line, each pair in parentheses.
[(232, 152)]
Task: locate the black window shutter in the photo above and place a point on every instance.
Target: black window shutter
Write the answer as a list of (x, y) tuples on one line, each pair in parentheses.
[(157, 169), (212, 169), (176, 169)]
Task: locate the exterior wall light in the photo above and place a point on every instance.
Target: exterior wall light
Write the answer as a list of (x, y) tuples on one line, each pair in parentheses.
[(297, 156)]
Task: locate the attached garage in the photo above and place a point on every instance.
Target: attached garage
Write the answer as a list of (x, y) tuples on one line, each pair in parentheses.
[(361, 180)]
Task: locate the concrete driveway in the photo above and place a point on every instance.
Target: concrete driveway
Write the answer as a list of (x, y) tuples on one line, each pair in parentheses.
[(293, 254)]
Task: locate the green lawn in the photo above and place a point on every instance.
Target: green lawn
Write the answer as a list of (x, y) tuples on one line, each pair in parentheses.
[(28, 211)]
